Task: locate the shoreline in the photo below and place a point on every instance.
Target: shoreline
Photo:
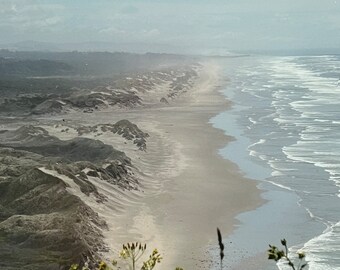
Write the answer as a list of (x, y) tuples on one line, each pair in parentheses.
[(206, 191), (282, 214)]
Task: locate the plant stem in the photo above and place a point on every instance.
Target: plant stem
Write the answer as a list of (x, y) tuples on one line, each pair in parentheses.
[(133, 262)]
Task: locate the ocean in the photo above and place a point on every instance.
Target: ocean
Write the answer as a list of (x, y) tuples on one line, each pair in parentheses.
[(285, 118)]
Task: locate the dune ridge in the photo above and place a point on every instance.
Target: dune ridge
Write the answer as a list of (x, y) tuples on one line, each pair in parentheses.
[(148, 173)]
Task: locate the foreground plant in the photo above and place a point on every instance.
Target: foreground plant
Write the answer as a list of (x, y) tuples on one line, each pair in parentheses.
[(220, 243), (154, 258), (101, 266), (131, 252), (275, 254)]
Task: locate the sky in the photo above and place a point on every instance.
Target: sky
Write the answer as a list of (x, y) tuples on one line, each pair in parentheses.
[(194, 26)]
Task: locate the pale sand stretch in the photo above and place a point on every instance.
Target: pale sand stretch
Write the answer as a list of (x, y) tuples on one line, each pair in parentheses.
[(188, 189), (200, 189)]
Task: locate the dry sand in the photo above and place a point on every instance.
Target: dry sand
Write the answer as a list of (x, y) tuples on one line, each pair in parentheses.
[(188, 189), (197, 190)]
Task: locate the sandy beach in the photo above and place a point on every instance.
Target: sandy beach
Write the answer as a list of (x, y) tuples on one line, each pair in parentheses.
[(189, 188), (163, 123), (186, 189)]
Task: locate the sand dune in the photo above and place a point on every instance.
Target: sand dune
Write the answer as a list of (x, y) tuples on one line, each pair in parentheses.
[(173, 188)]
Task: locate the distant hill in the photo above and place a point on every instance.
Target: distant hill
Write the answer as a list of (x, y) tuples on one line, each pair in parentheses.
[(91, 46), (41, 67), (35, 63)]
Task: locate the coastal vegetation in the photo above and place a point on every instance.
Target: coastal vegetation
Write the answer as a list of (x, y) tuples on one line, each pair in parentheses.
[(130, 254), (56, 174), (276, 254)]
